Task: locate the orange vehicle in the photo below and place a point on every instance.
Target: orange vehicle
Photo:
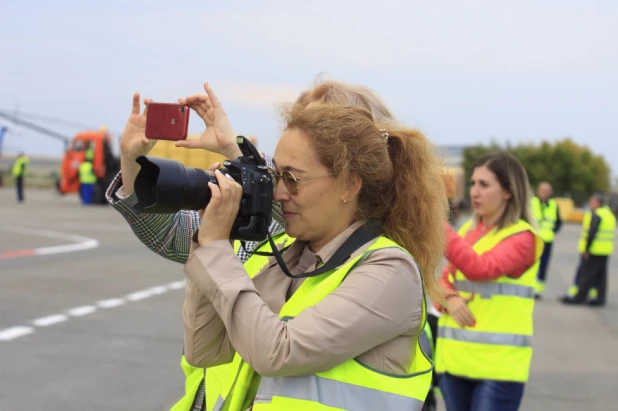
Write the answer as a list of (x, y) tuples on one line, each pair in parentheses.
[(104, 163)]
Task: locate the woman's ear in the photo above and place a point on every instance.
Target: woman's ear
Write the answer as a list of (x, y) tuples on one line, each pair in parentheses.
[(354, 186)]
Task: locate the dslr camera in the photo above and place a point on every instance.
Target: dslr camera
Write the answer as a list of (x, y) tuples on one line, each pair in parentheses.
[(165, 186)]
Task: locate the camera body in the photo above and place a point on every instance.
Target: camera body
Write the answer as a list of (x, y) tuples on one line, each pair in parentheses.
[(165, 186)]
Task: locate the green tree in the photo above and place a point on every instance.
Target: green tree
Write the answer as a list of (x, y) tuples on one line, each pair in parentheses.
[(472, 153), (572, 169)]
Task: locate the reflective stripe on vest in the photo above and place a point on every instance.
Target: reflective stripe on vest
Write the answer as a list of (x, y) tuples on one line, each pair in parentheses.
[(490, 289), (603, 242), (426, 341), (195, 375), (344, 384), (499, 347), (516, 340), (332, 393), (546, 217)]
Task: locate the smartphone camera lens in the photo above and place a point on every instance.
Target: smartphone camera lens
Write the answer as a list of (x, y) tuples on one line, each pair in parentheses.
[(182, 109)]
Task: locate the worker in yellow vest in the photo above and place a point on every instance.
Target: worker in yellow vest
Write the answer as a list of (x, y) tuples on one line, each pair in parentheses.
[(484, 346), (595, 246), (547, 215), (334, 322), (87, 178), (20, 167)]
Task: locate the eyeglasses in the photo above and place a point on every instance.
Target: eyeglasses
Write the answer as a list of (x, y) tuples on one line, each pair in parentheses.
[(289, 181)]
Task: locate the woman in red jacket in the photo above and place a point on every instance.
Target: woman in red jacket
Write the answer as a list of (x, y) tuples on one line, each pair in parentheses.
[(484, 337)]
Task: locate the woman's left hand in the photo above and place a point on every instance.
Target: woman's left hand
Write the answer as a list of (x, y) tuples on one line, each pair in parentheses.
[(220, 214)]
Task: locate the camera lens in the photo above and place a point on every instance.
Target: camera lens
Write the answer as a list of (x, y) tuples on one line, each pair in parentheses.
[(166, 186)]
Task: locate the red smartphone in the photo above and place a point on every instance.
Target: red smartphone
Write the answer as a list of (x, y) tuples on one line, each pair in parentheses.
[(167, 121)]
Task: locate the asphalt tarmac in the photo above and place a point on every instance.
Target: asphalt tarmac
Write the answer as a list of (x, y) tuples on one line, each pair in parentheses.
[(90, 319)]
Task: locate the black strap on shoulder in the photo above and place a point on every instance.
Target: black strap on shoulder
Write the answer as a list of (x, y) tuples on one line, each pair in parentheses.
[(362, 235)]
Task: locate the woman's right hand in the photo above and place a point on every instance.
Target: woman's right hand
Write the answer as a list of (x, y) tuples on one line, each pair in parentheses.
[(457, 307), (219, 136), (133, 142)]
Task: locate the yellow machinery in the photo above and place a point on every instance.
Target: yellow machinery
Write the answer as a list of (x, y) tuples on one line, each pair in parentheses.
[(568, 212), (190, 157)]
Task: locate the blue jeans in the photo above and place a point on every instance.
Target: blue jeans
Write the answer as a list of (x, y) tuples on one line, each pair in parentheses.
[(87, 191), (463, 394)]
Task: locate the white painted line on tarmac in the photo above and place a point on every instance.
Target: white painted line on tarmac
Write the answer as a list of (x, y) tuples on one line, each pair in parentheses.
[(15, 332), (12, 333), (81, 243), (111, 303), (81, 311), (70, 248), (176, 285), (158, 290), (139, 295), (50, 320)]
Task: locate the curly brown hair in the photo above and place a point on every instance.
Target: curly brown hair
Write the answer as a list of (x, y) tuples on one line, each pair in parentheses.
[(402, 186)]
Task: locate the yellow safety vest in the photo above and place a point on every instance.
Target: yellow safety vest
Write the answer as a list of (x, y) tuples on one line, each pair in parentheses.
[(195, 375), (603, 242), (546, 217), (349, 386), (17, 166), (86, 173), (499, 347)]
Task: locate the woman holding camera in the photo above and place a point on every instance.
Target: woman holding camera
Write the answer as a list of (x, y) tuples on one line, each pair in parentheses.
[(345, 338), (169, 235), (484, 343)]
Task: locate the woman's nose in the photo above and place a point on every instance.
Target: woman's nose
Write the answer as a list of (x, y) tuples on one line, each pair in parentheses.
[(280, 194)]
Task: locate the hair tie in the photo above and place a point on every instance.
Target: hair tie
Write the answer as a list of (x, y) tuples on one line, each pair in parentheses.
[(385, 135)]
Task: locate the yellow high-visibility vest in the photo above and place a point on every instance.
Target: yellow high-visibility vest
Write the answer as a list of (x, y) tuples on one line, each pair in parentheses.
[(86, 173), (546, 217), (17, 167), (195, 375), (499, 347), (603, 242), (349, 386)]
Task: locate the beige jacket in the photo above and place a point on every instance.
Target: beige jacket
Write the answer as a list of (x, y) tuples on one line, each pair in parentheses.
[(373, 315)]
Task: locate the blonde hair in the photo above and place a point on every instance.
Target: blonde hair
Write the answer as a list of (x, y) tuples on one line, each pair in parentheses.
[(402, 186), (337, 92), (512, 177)]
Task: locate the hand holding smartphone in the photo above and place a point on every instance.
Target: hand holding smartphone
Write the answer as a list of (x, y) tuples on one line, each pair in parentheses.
[(167, 121)]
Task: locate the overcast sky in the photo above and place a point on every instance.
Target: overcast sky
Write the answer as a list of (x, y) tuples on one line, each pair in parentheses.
[(461, 71)]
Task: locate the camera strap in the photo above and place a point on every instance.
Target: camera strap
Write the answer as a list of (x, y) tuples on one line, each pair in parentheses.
[(360, 236)]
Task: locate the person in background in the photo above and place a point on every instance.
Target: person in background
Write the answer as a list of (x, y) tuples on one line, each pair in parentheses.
[(87, 178), (20, 168), (595, 246), (484, 346), (547, 214)]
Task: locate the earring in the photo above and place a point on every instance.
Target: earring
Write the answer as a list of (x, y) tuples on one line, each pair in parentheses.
[(345, 201)]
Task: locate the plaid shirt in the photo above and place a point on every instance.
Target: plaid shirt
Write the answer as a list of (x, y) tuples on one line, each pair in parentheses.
[(169, 235)]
